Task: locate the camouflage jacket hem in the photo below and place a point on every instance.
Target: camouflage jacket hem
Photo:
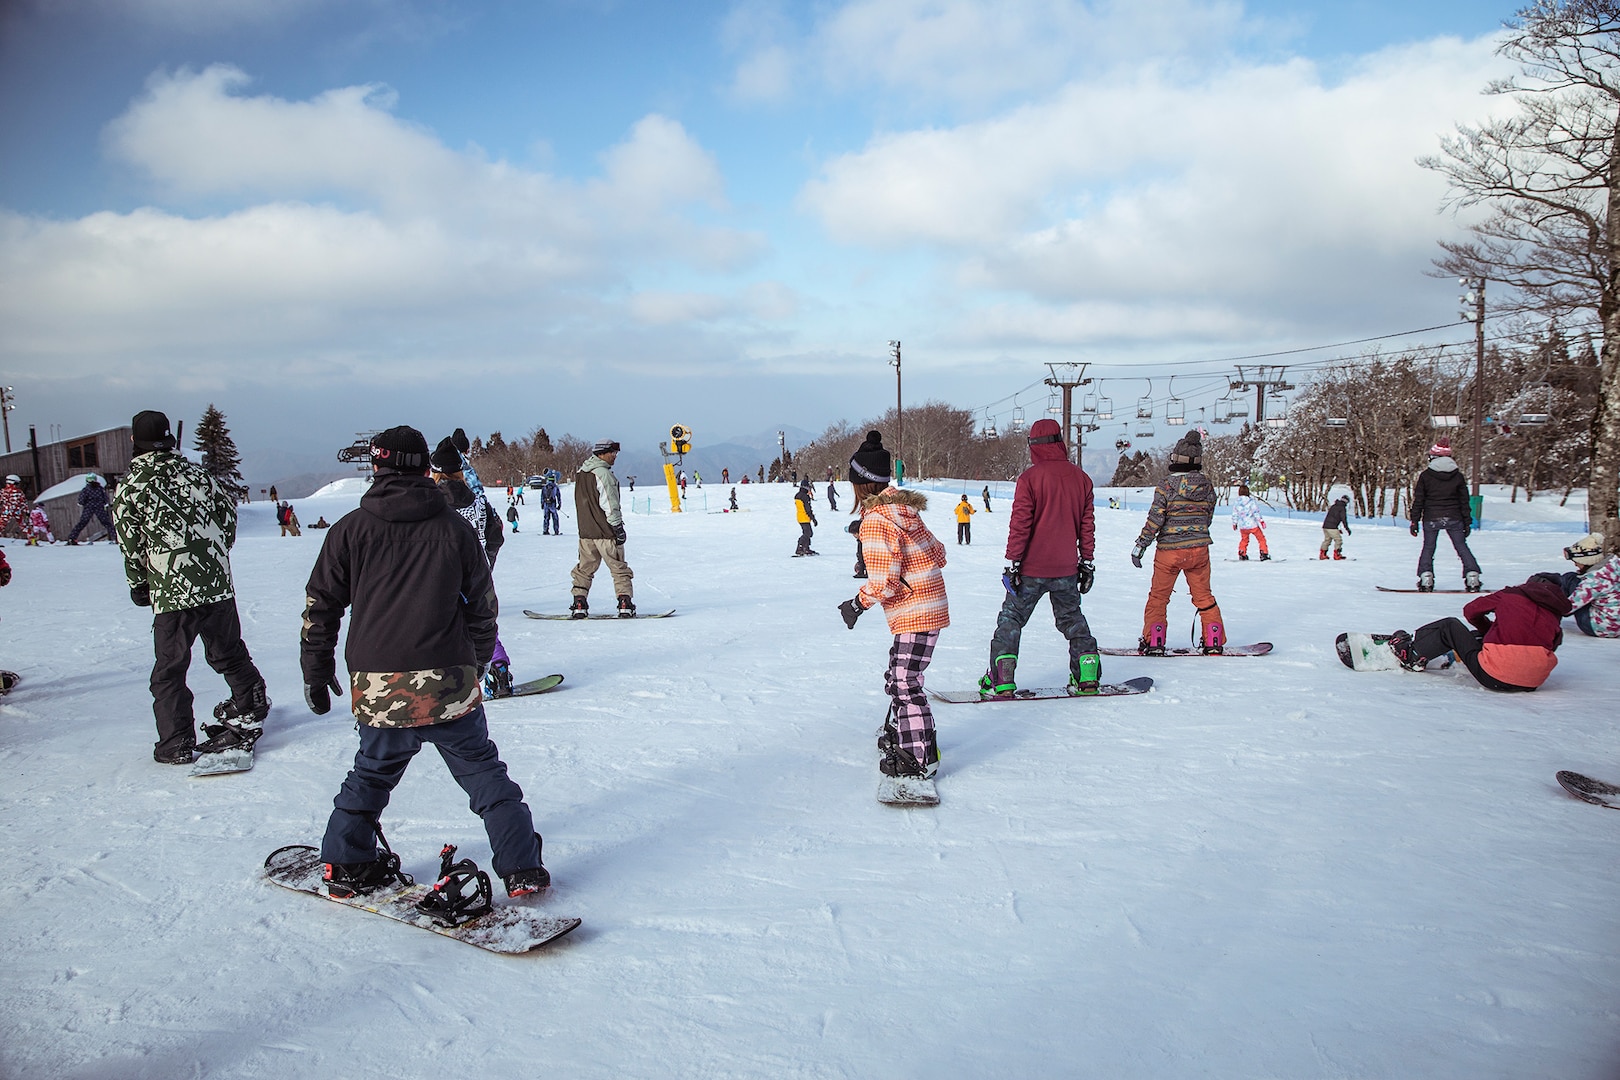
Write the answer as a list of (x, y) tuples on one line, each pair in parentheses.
[(402, 699)]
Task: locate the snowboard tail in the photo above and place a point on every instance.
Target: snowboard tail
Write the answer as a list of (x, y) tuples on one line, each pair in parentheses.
[(507, 928), (1044, 693), (533, 686), (1589, 790), (907, 791), (236, 759)]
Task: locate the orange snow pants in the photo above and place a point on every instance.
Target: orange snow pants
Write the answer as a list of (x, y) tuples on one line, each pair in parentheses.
[(1167, 566)]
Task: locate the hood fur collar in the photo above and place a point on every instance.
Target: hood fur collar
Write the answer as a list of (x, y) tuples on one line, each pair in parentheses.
[(893, 496)]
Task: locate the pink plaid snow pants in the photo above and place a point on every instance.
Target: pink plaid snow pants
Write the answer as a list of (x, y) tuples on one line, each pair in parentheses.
[(903, 681)]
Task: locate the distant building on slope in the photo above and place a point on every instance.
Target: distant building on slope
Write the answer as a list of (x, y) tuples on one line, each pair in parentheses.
[(45, 466)]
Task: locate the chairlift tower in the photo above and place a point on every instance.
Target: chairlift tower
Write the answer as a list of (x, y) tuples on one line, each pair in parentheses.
[(1473, 310), (1265, 377), (1066, 377)]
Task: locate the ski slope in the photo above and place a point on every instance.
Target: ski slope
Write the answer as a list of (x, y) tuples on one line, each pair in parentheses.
[(1267, 867)]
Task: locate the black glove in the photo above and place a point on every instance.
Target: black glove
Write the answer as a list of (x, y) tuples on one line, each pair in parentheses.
[(1136, 556), (1012, 577), (855, 527), (1088, 574), (1414, 528), (1347, 531), (618, 534), (850, 610), (814, 522), (318, 696), (141, 595), (1468, 529)]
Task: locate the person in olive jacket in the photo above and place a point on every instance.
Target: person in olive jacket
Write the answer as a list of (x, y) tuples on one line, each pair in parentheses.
[(1440, 503), (421, 632)]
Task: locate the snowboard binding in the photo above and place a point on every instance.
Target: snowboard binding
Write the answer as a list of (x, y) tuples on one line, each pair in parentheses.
[(461, 894)]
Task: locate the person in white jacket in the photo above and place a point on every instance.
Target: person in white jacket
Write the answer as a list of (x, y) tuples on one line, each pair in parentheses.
[(1247, 520)]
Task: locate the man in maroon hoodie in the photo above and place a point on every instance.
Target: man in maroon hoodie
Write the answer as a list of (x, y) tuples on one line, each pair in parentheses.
[(1512, 652), (1050, 542)]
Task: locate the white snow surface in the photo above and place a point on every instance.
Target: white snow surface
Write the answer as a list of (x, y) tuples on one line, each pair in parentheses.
[(1269, 867)]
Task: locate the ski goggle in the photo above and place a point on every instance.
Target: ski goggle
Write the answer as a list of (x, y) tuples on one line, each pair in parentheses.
[(1573, 553)]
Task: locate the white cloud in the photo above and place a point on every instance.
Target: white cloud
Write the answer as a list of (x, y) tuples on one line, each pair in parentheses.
[(1262, 187), (350, 226)]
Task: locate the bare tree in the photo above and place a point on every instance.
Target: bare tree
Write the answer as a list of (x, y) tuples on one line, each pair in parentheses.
[(1549, 177)]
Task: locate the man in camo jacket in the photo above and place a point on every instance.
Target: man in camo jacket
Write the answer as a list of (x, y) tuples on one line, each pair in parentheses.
[(422, 630), (176, 527)]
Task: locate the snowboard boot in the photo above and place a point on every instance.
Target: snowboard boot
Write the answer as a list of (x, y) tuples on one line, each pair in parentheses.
[(525, 882), (627, 607), (241, 722), (579, 609), (344, 880), (1338, 556), (1400, 643), (898, 761), (1086, 675), (1242, 557), (498, 680), (1265, 556), (1322, 554), (999, 680), (1153, 643), (1214, 642), (1471, 582), (1425, 582), (180, 756)]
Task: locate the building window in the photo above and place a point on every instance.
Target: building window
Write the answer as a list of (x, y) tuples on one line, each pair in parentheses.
[(82, 454)]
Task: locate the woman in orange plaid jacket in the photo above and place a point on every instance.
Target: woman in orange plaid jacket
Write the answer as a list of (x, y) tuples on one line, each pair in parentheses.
[(903, 562)]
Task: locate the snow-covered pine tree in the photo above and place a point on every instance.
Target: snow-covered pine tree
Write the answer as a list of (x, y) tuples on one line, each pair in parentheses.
[(219, 454)]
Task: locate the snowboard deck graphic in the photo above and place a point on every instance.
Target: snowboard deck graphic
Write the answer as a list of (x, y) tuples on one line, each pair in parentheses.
[(1045, 693), (565, 617), (236, 759), (533, 686), (1589, 790), (1366, 652), (1259, 648), (907, 791), (509, 928), (1453, 592)]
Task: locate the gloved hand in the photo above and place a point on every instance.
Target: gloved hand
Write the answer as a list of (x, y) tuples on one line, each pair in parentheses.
[(855, 527), (618, 534), (1088, 574), (1468, 529), (1136, 556), (850, 610), (141, 595), (1012, 577), (814, 522), (1234, 526), (1414, 528), (318, 696)]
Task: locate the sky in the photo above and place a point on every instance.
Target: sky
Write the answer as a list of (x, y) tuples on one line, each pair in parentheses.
[(604, 218)]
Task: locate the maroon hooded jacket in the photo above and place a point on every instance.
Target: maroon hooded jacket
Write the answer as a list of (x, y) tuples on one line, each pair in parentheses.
[(1519, 643), (1052, 511)]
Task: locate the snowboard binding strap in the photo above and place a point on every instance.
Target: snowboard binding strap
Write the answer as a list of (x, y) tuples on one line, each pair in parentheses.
[(450, 903)]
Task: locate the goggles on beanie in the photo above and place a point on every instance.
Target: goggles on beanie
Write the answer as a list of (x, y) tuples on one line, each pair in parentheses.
[(1581, 551), (397, 459)]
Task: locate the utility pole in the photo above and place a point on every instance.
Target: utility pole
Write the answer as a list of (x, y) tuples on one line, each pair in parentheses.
[(8, 401), (1476, 300), (899, 414), (1071, 376), (1266, 377)]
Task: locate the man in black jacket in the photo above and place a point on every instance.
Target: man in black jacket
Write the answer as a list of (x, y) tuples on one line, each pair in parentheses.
[(422, 631), (1440, 501)]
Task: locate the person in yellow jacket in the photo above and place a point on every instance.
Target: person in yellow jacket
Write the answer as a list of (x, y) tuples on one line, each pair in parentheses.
[(806, 516), (964, 521)]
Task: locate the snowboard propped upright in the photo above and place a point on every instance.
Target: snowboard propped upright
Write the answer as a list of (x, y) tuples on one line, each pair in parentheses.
[(509, 928)]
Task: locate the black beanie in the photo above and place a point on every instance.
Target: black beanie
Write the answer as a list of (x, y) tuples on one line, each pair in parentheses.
[(399, 449), (446, 458), (871, 464), (150, 431), (1188, 456), (459, 438)]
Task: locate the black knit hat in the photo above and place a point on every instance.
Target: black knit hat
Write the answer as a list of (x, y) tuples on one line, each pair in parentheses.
[(446, 458), (399, 449), (871, 463), (459, 438), (150, 431), (1188, 456)]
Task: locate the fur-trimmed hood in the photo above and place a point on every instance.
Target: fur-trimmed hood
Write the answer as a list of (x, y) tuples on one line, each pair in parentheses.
[(893, 496)]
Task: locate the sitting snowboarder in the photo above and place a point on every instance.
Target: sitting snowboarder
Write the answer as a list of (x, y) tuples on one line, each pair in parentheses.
[(1513, 651)]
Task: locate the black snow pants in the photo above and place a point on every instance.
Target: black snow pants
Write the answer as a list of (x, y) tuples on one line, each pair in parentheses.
[(173, 633)]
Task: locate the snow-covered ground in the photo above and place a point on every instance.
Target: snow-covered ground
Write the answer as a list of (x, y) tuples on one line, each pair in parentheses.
[(1265, 868)]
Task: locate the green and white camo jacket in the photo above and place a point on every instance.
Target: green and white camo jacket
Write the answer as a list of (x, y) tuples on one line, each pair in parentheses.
[(176, 526)]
